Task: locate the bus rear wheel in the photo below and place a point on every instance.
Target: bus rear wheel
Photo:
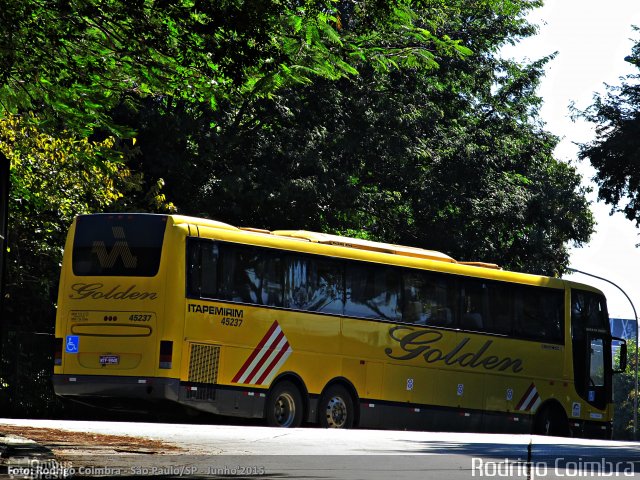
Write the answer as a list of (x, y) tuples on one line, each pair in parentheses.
[(336, 408), (284, 406), (551, 421)]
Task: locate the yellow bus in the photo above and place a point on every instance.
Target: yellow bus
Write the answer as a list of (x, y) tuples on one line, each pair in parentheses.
[(297, 327)]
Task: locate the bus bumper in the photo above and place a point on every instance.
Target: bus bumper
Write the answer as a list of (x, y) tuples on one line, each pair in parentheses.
[(140, 393), (588, 429), (143, 388)]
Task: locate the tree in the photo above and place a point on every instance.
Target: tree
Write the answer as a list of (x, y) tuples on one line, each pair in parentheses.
[(75, 61), (453, 159), (53, 179), (624, 392), (615, 152)]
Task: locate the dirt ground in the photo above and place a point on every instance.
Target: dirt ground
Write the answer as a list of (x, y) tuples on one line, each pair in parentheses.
[(60, 441)]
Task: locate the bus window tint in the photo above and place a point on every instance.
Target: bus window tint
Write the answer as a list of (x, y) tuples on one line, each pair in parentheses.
[(115, 245), (202, 259), (501, 308), (540, 314), (250, 275), (430, 299), (313, 284), (261, 276), (474, 305), (596, 365), (209, 260), (589, 309), (373, 292), (194, 269)]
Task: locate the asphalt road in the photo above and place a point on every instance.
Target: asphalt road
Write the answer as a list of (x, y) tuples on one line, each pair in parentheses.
[(118, 449)]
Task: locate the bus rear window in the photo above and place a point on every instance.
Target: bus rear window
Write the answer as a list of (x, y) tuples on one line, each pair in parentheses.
[(118, 245)]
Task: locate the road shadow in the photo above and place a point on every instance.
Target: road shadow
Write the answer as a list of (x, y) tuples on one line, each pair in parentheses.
[(16, 452)]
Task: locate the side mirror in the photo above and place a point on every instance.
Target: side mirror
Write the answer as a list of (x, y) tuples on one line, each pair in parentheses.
[(622, 356)]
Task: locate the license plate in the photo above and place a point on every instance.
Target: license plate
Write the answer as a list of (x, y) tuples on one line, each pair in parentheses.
[(109, 359)]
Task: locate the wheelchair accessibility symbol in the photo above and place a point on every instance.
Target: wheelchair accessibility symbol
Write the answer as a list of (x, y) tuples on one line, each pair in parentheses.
[(73, 341)]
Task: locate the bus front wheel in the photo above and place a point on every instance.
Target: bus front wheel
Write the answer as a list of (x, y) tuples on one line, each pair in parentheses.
[(551, 420), (284, 406), (336, 408)]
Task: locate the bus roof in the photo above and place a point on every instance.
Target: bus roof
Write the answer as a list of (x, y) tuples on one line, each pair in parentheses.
[(362, 244), (449, 264), (335, 240)]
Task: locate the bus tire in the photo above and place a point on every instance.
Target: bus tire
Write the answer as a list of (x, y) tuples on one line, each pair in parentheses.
[(336, 408), (551, 421), (284, 406)]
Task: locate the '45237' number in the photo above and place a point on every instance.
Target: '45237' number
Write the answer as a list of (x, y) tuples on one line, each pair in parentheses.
[(231, 322)]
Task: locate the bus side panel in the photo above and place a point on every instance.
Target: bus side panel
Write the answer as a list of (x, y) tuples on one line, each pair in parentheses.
[(462, 371), (256, 345)]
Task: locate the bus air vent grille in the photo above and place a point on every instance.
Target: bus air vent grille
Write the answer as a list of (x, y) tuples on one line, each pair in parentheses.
[(203, 363)]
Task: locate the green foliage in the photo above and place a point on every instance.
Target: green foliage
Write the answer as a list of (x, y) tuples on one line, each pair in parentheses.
[(452, 159), (623, 396), (614, 152), (53, 179), (75, 61)]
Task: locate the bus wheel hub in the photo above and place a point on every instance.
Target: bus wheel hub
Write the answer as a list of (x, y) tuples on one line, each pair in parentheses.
[(285, 410), (336, 412)]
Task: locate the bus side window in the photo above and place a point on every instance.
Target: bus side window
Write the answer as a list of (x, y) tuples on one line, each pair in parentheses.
[(475, 304), (501, 313), (529, 321), (540, 314), (313, 284), (202, 259), (250, 275), (552, 309), (429, 299), (194, 268), (373, 291), (209, 269)]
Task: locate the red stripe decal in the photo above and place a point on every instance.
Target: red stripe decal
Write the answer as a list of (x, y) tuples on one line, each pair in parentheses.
[(265, 355), (255, 352), (524, 397), (533, 401), (274, 362)]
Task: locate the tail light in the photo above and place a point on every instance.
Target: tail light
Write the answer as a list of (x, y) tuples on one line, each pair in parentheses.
[(166, 354), (57, 351)]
